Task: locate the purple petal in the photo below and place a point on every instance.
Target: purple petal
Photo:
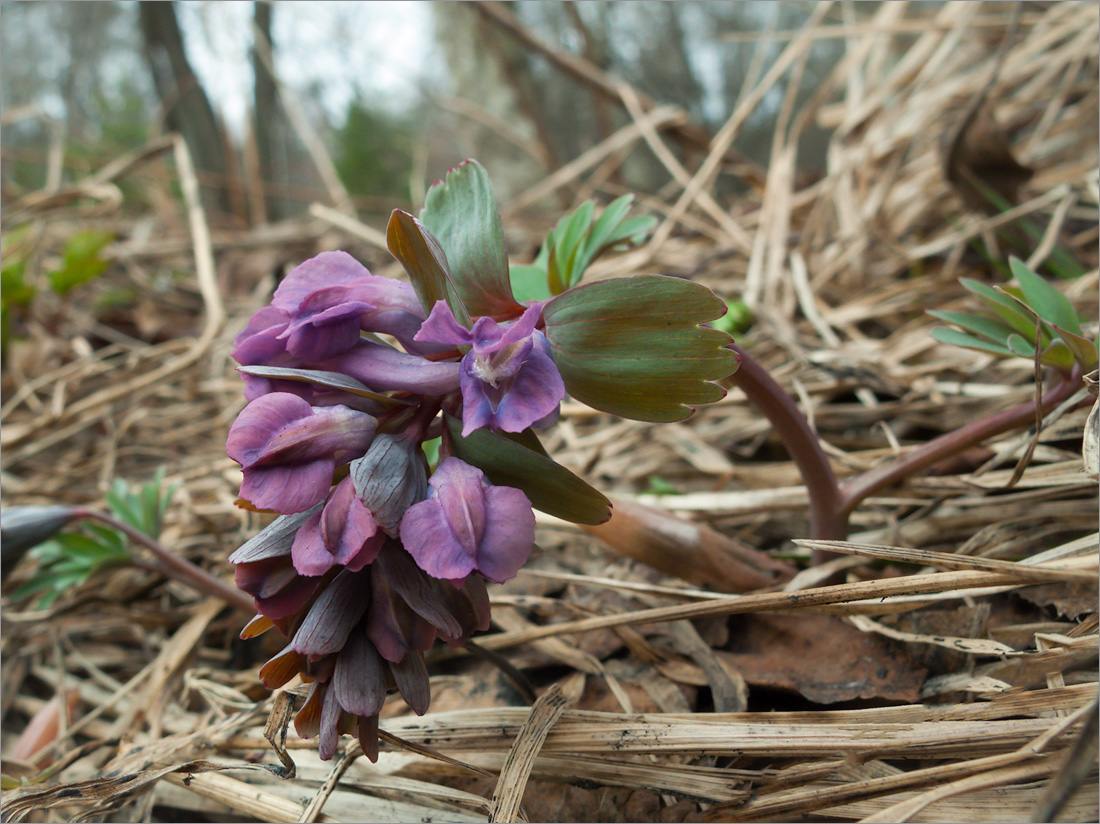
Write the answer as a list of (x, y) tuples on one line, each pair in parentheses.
[(328, 431), (428, 538), (259, 421), (324, 270), (478, 410), (442, 327), (411, 677), (509, 534), (521, 328), (263, 578), (415, 588), (330, 725), (288, 489), (259, 342), (308, 550), (367, 733), (392, 626), (347, 526), (384, 369), (535, 393), (289, 599), (486, 335), (358, 681), (273, 540), (333, 615)]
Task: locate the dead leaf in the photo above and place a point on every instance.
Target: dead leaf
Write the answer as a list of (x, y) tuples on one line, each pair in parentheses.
[(822, 658)]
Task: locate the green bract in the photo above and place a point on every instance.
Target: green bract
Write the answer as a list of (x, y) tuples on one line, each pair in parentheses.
[(461, 211), (633, 346), (420, 252)]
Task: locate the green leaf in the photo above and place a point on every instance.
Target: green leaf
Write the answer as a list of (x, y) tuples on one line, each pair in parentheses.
[(569, 237), (14, 291), (550, 487), (122, 504), (332, 380), (604, 229), (1048, 302), (632, 229), (738, 318), (1084, 350), (1003, 306), (461, 211), (82, 548), (423, 257), (954, 337), (1058, 355), (633, 347), (1020, 346), (108, 537), (80, 261), (430, 449), (529, 283), (994, 330)]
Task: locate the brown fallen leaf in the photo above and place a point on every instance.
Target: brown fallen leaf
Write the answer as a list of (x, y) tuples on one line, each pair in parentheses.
[(822, 658)]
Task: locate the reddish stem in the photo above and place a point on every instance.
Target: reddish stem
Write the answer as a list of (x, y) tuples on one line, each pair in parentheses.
[(828, 519), (856, 489), (831, 503), (172, 566)]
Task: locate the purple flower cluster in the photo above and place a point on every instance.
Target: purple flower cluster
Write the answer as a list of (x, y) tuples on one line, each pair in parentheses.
[(372, 559)]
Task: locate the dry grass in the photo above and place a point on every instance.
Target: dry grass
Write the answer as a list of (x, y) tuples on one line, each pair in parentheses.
[(642, 715)]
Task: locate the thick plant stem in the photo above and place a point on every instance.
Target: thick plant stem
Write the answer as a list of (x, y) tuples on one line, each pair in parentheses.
[(828, 518), (854, 491), (172, 566)]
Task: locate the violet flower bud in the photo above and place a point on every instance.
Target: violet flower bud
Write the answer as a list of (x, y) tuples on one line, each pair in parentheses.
[(289, 450), (509, 380), (390, 478), (468, 525)]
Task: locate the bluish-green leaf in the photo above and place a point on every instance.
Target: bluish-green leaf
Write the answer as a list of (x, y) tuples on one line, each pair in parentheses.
[(604, 228), (461, 211), (986, 327), (1084, 350), (529, 283), (633, 346), (1047, 301), (422, 255), (550, 487), (954, 337), (1003, 306)]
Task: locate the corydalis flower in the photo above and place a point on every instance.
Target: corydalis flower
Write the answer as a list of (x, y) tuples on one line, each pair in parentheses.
[(468, 525), (509, 380), (289, 449), (330, 297)]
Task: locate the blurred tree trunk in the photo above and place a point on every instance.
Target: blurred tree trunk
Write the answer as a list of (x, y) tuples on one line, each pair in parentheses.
[(270, 124), (187, 109)]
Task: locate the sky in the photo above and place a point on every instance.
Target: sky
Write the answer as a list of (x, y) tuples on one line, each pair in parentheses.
[(385, 47)]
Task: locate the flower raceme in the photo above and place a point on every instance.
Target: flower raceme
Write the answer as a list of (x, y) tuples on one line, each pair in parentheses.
[(359, 603), (375, 554)]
